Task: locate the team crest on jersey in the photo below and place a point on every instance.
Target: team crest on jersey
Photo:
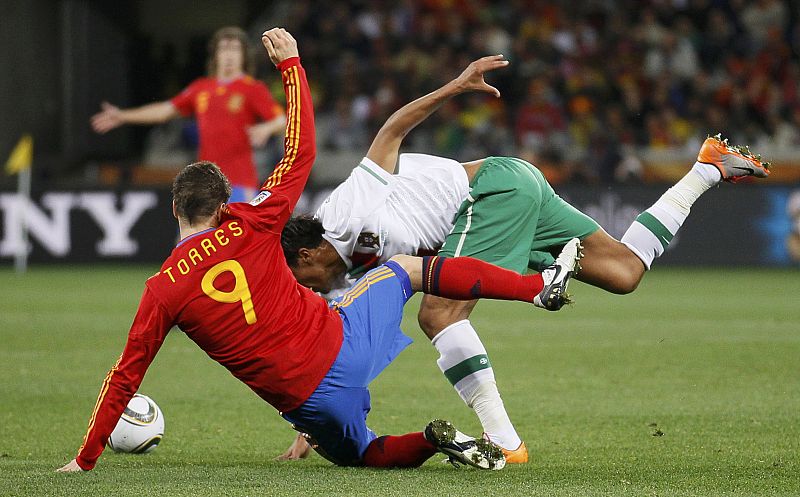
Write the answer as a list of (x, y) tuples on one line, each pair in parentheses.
[(368, 240), (262, 196), (235, 102)]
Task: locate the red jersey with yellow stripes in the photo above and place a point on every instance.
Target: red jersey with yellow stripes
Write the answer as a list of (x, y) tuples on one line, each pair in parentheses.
[(229, 289), (224, 111)]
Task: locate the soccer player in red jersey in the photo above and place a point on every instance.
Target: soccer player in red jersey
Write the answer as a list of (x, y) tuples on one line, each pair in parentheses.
[(228, 287), (227, 104)]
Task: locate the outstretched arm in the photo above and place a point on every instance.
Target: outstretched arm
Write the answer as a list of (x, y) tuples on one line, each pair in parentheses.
[(386, 145), (148, 331), (111, 117)]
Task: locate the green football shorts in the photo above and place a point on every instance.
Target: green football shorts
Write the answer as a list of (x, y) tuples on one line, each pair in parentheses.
[(513, 218)]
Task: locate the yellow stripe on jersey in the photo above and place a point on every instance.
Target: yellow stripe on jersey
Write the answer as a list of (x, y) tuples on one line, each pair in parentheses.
[(100, 397), (290, 124), (363, 286), (292, 129)]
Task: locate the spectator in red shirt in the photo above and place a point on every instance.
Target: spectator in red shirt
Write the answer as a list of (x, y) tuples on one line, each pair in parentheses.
[(227, 105), (539, 118)]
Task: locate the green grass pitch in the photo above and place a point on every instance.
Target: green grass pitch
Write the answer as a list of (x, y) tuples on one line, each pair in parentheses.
[(690, 386)]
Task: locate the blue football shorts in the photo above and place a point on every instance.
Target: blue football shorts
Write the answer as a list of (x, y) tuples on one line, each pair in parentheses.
[(241, 193), (335, 415)]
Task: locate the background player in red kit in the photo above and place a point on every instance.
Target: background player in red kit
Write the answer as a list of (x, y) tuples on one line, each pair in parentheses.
[(227, 286), (227, 105)]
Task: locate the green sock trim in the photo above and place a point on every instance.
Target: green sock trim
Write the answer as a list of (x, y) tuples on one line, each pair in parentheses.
[(467, 367), (654, 225)]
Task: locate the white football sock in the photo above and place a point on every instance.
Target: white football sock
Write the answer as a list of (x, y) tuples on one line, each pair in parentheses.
[(654, 228), (464, 362)]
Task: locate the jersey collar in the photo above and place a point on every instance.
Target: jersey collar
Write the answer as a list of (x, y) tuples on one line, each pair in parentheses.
[(193, 235)]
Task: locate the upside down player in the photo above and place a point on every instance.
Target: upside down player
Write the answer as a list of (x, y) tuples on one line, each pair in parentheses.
[(226, 285), (227, 105), (505, 213), (375, 215)]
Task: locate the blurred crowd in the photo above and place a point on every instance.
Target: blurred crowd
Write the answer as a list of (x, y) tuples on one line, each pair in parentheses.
[(590, 83)]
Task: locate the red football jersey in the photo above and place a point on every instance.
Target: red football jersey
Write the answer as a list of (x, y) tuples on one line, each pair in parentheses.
[(224, 111), (230, 290)]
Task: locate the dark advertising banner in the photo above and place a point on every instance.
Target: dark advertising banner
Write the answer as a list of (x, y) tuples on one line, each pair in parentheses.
[(730, 225), (88, 226)]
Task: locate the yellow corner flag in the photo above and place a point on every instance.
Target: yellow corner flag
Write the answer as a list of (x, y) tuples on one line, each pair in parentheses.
[(21, 157)]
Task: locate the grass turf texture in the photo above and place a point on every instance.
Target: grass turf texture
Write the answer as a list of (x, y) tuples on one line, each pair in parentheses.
[(690, 386)]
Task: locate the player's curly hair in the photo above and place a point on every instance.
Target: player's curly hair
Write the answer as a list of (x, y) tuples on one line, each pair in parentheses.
[(198, 190), (229, 33), (300, 232)]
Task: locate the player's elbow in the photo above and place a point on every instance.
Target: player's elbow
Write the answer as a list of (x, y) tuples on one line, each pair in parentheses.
[(390, 135), (166, 112)]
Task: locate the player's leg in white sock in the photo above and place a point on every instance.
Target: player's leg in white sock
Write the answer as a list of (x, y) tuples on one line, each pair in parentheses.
[(465, 363), (654, 228)]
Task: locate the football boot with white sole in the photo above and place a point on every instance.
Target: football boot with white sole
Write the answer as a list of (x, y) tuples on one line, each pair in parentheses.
[(556, 277), (463, 449)]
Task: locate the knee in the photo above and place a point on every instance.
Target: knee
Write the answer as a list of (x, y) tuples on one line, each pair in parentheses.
[(625, 285), (413, 268), (611, 265), (627, 280), (408, 262)]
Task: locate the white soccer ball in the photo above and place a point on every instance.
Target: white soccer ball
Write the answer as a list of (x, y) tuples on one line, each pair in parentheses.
[(140, 428)]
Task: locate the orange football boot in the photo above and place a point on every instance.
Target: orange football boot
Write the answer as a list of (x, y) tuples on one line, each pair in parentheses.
[(513, 456), (734, 162), (516, 456)]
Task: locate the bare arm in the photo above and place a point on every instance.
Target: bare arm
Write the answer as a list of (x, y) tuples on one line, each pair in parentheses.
[(386, 145), (260, 133), (111, 117)]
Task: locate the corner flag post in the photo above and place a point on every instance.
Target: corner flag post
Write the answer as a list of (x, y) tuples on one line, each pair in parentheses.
[(19, 163)]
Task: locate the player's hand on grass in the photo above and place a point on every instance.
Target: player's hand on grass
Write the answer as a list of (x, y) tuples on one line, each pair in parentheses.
[(280, 45), (70, 467), (472, 77), (300, 449), (107, 119)]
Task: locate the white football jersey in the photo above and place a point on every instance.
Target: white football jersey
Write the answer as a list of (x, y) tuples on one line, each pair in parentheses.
[(375, 215)]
